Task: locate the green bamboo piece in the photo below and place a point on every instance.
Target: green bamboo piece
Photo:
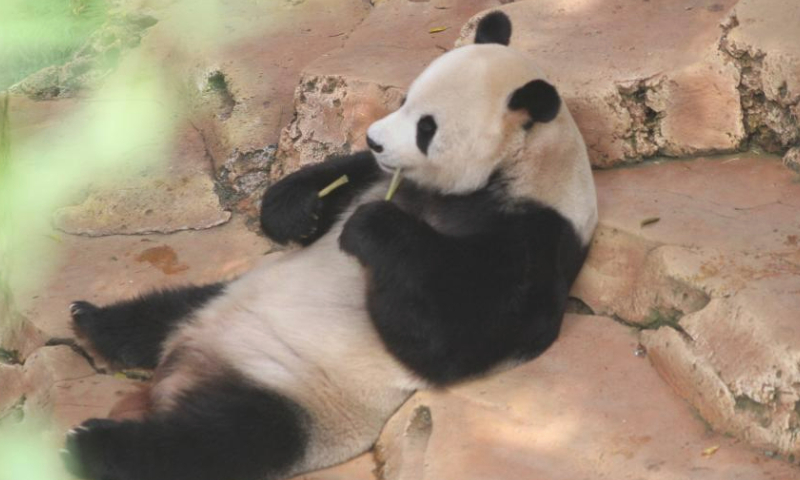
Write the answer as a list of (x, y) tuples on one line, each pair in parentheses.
[(333, 186), (395, 183)]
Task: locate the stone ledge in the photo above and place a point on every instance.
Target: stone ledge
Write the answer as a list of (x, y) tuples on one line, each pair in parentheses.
[(578, 411), (714, 282), (636, 89), (341, 93)]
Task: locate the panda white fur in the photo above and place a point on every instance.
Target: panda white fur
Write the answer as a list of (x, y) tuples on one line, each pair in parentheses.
[(297, 364)]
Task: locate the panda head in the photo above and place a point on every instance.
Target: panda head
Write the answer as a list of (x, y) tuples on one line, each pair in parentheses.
[(467, 114)]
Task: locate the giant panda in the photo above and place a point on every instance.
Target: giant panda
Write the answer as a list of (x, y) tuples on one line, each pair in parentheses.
[(298, 364)]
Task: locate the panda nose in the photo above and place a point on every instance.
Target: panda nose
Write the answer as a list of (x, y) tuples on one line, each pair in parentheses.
[(374, 146)]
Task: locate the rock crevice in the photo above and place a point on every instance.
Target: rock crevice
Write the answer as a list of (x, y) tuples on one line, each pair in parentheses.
[(645, 127), (711, 287), (770, 114)]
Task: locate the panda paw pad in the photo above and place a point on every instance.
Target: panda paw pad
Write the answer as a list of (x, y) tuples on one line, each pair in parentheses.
[(295, 218), (85, 450)]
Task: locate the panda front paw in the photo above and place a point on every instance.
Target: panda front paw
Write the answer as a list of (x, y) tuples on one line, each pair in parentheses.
[(91, 449), (372, 230), (290, 212), (83, 316)]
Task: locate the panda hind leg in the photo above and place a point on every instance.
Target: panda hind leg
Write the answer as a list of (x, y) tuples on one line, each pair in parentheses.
[(130, 333), (225, 429)]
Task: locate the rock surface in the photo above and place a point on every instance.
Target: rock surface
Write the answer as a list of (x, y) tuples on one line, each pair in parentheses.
[(361, 468), (238, 75), (223, 65), (175, 195), (13, 388), (62, 388), (576, 412), (121, 31), (792, 159), (58, 386), (343, 92), (242, 88), (701, 257), (106, 269), (719, 265), (635, 91), (704, 256), (763, 42), (30, 117)]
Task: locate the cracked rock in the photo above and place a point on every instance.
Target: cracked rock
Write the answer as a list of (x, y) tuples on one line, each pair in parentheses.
[(49, 365), (762, 40), (243, 178), (740, 376), (146, 206), (635, 89), (241, 91), (67, 403), (721, 266), (635, 92), (150, 199), (792, 159), (60, 386), (341, 93), (700, 109), (332, 117), (630, 277), (404, 442)]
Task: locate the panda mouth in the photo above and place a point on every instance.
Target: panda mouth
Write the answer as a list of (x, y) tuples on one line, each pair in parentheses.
[(386, 168)]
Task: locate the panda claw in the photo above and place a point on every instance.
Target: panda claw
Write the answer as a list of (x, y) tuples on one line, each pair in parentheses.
[(74, 431), (80, 310)]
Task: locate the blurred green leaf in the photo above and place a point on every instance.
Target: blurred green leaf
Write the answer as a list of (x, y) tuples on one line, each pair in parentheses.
[(127, 123), (38, 33), (125, 126), (26, 454)]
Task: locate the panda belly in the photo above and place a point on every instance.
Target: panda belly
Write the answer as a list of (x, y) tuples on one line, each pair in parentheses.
[(297, 324)]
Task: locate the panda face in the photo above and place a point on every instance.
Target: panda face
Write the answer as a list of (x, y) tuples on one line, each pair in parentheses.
[(455, 127)]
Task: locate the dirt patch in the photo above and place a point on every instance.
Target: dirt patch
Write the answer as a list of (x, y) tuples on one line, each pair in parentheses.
[(163, 258)]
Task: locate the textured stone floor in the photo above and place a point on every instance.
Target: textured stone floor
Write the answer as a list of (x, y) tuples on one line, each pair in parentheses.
[(591, 407), (715, 282), (689, 366)]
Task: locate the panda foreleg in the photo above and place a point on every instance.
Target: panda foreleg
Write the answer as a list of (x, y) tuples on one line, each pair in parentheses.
[(447, 307), (380, 230), (225, 429), (130, 333), (293, 211)]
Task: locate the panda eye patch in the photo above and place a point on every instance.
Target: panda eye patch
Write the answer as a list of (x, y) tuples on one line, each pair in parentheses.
[(426, 128)]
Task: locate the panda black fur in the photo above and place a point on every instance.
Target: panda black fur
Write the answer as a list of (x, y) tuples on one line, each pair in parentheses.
[(297, 364)]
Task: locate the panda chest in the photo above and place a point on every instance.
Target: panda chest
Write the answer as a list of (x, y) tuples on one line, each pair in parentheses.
[(452, 215)]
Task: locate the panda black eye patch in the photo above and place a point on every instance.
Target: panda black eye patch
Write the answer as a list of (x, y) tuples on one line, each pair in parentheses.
[(426, 128)]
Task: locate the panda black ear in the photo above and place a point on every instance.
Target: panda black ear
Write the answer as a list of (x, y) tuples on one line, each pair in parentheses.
[(539, 98), (494, 28)]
